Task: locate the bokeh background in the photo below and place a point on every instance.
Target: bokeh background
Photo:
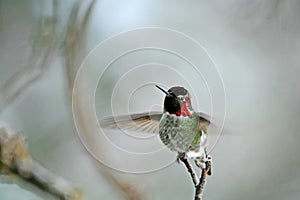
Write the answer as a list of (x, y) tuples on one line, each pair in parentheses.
[(255, 45)]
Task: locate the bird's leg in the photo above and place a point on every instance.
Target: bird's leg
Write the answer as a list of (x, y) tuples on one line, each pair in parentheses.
[(205, 164), (202, 162)]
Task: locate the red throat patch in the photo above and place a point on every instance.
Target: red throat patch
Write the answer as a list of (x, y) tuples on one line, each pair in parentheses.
[(178, 113), (185, 111)]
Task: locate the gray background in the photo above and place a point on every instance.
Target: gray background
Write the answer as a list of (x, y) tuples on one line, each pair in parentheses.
[(255, 45)]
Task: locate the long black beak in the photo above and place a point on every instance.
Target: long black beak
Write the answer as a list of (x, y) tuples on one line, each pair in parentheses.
[(164, 91)]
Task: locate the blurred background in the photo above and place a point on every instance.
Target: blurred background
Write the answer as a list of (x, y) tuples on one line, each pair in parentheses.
[(255, 45)]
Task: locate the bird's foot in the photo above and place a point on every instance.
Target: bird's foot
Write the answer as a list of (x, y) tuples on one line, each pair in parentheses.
[(204, 163), (199, 163), (180, 157), (209, 165)]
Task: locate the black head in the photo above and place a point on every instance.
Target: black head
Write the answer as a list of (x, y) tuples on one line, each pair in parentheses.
[(173, 102)]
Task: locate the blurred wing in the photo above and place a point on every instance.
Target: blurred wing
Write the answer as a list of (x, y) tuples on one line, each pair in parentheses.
[(141, 122), (204, 121)]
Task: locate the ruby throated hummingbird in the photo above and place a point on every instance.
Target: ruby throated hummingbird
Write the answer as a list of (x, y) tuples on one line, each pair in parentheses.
[(180, 128)]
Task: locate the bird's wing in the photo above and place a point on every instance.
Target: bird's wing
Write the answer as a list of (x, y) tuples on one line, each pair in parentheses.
[(204, 121), (140, 122)]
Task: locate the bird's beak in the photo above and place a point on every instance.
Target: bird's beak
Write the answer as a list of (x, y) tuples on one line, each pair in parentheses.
[(164, 91)]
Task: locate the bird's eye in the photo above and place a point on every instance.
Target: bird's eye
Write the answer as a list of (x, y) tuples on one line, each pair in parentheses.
[(182, 99)]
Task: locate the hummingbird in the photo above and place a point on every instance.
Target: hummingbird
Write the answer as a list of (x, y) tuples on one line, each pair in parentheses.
[(180, 128)]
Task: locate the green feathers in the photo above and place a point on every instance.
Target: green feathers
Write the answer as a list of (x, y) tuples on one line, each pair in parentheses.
[(180, 133)]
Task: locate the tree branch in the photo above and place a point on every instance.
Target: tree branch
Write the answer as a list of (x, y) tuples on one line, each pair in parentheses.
[(15, 160), (206, 171), (199, 185), (190, 169)]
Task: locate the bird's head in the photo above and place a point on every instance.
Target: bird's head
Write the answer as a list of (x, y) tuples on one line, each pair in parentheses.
[(177, 101)]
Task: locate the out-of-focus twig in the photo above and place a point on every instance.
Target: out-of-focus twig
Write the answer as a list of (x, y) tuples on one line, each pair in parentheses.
[(15, 160), (128, 190), (43, 50), (74, 37), (73, 51)]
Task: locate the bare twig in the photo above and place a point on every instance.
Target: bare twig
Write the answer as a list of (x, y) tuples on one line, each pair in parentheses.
[(190, 169), (200, 187), (15, 159)]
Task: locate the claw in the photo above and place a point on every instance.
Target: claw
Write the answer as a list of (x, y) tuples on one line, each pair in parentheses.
[(209, 163), (199, 163), (204, 163), (180, 156)]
